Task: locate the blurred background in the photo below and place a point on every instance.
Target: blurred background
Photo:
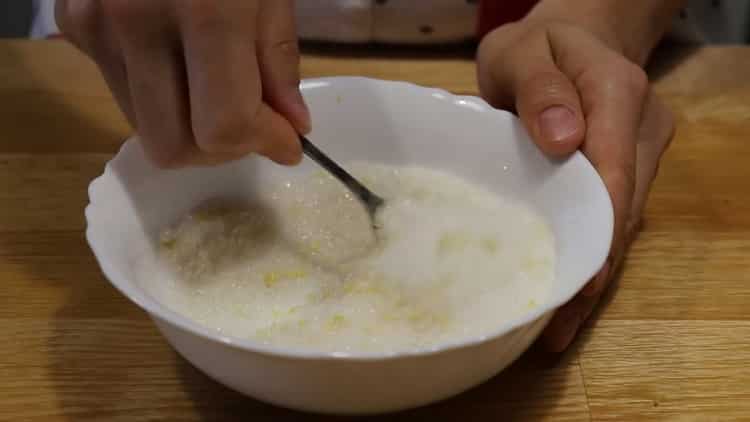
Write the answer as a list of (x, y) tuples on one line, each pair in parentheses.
[(702, 21), (15, 18)]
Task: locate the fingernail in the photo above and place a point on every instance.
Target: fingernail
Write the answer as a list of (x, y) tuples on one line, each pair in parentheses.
[(557, 123), (594, 286)]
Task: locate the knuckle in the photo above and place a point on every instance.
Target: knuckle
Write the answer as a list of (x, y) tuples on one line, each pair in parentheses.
[(545, 85), (632, 77), (543, 89), (637, 79), (616, 75)]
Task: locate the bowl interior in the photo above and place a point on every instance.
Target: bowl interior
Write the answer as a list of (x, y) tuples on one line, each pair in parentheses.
[(364, 119)]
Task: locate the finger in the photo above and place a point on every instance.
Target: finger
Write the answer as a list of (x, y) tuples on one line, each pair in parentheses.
[(612, 92), (566, 322), (156, 83), (115, 75), (107, 52), (612, 113), (278, 59), (159, 96), (597, 284), (545, 98), (227, 111), (654, 136), (77, 20), (611, 146)]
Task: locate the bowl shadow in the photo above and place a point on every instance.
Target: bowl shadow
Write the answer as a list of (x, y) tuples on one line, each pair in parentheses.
[(520, 393)]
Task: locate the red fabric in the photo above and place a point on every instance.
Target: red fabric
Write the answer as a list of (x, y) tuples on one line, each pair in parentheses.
[(493, 13)]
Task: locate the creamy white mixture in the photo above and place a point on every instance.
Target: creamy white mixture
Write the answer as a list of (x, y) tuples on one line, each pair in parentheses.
[(304, 269)]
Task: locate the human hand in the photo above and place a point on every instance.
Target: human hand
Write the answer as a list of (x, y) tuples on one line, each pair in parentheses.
[(201, 81), (573, 89)]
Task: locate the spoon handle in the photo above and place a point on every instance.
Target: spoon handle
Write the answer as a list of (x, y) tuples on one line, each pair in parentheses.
[(371, 201)]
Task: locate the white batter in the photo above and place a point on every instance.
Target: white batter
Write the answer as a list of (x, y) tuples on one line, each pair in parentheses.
[(303, 269)]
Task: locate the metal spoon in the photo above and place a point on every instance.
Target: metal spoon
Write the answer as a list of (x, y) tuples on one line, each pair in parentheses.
[(370, 200)]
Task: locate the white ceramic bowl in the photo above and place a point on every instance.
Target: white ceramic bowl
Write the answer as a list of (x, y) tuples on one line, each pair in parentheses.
[(360, 119)]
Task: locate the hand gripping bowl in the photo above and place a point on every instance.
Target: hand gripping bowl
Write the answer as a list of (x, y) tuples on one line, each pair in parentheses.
[(381, 121)]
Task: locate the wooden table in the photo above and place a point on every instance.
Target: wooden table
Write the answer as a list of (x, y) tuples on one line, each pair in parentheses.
[(672, 342)]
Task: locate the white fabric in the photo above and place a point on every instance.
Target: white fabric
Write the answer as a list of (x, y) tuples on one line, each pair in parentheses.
[(43, 25)]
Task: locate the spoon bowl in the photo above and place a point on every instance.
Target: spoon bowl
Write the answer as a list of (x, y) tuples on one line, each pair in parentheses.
[(369, 200)]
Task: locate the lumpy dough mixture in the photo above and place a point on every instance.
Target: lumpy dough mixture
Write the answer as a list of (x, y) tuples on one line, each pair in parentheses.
[(303, 269)]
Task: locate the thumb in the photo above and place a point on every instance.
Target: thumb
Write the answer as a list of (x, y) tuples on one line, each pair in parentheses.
[(278, 57), (549, 106), (525, 76)]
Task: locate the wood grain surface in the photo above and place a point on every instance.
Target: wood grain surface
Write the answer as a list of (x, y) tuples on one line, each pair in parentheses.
[(671, 342)]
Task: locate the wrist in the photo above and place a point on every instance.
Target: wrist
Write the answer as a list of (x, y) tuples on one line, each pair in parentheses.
[(631, 31)]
